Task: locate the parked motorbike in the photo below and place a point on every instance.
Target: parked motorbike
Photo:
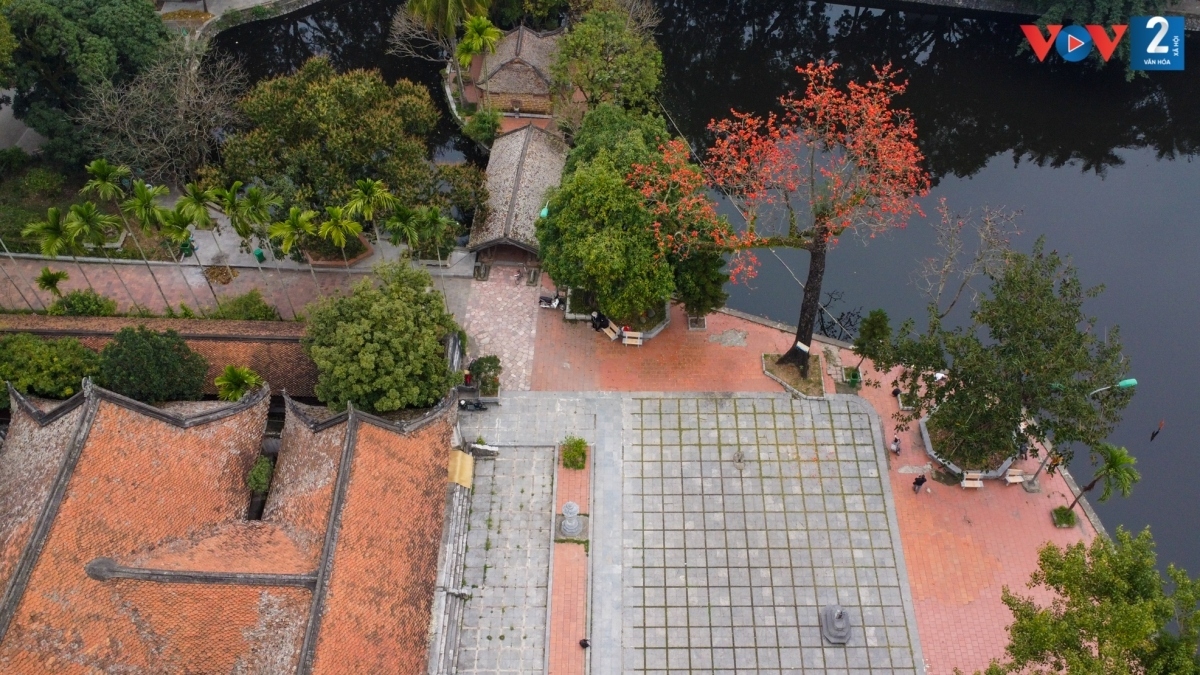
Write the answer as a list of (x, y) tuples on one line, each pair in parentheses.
[(550, 302), (471, 404)]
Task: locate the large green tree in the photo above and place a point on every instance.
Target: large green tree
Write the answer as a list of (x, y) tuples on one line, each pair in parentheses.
[(608, 60), (381, 346), (1028, 360), (1111, 613), (152, 367), (63, 47), (50, 368), (316, 132)]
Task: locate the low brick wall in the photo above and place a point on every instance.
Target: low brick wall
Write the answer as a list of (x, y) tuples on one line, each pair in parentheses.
[(270, 348)]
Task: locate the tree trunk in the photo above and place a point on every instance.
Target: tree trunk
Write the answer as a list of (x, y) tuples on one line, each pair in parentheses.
[(283, 281), (810, 305), (86, 280), (179, 265), (1086, 489), (346, 261), (118, 275)]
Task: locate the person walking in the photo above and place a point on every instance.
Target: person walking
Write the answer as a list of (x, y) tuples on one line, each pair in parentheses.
[(918, 482), (896, 444)]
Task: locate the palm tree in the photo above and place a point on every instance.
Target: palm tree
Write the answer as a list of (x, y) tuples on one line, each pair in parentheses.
[(1116, 471), (257, 205), (235, 381), (195, 200), (175, 223), (442, 18), (479, 36), (91, 226), (54, 239), (338, 229), (242, 216), (403, 228), (105, 185), (292, 231), (144, 207), (369, 197), (49, 280)]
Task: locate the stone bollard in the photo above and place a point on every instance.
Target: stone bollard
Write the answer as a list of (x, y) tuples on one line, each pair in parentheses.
[(571, 524)]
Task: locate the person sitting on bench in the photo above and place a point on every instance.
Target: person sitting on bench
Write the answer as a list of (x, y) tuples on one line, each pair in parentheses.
[(599, 322)]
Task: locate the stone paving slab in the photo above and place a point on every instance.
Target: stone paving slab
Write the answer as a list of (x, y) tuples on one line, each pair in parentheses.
[(501, 319)]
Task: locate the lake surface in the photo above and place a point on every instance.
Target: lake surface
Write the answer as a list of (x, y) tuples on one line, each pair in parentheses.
[(1105, 168)]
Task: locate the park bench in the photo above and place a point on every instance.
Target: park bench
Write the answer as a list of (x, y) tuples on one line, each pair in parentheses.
[(611, 331), (972, 479), (1014, 476), (633, 337)]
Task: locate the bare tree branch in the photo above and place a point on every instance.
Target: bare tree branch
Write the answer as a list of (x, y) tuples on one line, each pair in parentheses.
[(167, 123), (412, 39), (949, 271)]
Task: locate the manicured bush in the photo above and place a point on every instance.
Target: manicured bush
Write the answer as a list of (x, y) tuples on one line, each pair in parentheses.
[(85, 302), (247, 307), (152, 367), (381, 347), (574, 452), (259, 478), (48, 368), (485, 374), (235, 381)]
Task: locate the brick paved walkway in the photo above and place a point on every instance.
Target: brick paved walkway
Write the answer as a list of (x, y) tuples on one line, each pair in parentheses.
[(964, 546), (501, 319), (568, 610)]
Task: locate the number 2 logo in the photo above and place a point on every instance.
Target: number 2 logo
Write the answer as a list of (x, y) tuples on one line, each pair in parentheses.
[(1156, 42), (1156, 46)]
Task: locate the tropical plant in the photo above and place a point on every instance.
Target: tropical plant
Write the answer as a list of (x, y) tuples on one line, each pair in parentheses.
[(368, 199), (55, 238), (249, 306), (1109, 611), (485, 374), (851, 156), (607, 60), (152, 367), (291, 231), (874, 337), (104, 183), (195, 201), (338, 229), (49, 368), (143, 205), (235, 381), (67, 47), (403, 227), (83, 302), (175, 224), (1116, 472), (91, 226), (259, 477), (479, 36), (483, 126), (382, 347), (48, 280), (246, 213)]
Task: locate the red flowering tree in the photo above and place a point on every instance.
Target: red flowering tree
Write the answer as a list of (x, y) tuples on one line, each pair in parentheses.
[(835, 160)]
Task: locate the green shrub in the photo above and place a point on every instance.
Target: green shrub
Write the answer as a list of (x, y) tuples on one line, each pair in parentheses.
[(12, 160), (1063, 516), (39, 182), (483, 125), (85, 302), (259, 478), (247, 307), (48, 368), (152, 367), (324, 249), (485, 374), (235, 381), (574, 452)]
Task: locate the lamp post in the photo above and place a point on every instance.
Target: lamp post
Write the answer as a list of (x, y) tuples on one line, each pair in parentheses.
[(1031, 485)]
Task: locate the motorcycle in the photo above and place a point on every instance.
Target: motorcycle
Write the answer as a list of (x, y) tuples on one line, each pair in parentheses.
[(550, 302), (471, 404)]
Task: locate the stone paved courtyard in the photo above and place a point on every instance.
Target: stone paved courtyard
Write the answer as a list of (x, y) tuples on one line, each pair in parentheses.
[(501, 319), (698, 566), (508, 556)]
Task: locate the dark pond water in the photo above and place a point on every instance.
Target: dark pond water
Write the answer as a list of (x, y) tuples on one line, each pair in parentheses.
[(1104, 167)]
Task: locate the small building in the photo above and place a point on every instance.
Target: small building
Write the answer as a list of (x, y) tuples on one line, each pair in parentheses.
[(515, 79), (125, 543), (523, 166)]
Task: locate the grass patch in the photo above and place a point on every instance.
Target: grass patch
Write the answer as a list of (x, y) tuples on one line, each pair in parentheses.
[(946, 477), (574, 453), (1063, 517), (813, 385)]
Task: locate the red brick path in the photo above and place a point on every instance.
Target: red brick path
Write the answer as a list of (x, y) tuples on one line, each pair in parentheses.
[(573, 485), (568, 613)]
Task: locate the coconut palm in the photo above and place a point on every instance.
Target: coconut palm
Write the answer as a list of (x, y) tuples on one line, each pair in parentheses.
[(368, 199), (105, 184), (143, 205), (292, 231), (55, 239), (174, 225), (91, 227), (49, 280), (242, 218), (338, 229), (235, 381), (479, 36), (1116, 472), (195, 201)]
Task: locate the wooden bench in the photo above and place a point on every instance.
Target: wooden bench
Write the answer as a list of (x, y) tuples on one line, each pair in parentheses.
[(611, 331), (972, 479), (1014, 476), (633, 337)]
